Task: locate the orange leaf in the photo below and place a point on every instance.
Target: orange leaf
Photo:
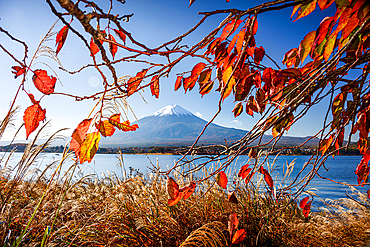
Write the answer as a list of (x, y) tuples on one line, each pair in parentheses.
[(174, 201), (93, 47), (43, 82), (306, 9), (221, 179), (134, 82), (232, 197), (232, 224), (172, 188), (225, 78), (232, 44), (323, 4), (17, 71), (89, 147), (230, 28), (125, 126), (204, 77), (239, 43), (188, 190), (306, 45), (197, 69), (178, 82), (259, 53), (188, 83), (33, 115), (79, 134), (329, 47), (325, 27), (154, 86), (349, 27), (121, 35), (238, 236), (61, 38), (238, 109), (206, 88), (105, 128), (112, 47)]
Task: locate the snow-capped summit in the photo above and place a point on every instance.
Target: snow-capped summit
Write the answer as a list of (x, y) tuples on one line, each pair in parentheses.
[(172, 110)]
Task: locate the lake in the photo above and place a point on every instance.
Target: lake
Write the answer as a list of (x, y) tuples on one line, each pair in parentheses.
[(339, 168)]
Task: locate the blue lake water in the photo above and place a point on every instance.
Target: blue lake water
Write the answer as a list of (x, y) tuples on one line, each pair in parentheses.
[(340, 168)]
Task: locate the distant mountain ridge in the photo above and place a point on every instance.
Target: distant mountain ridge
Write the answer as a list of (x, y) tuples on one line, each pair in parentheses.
[(175, 126)]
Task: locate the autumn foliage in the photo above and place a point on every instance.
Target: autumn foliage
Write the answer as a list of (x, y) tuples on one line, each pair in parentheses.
[(230, 62)]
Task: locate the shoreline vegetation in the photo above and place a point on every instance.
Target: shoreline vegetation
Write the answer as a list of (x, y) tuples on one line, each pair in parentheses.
[(174, 150), (72, 209)]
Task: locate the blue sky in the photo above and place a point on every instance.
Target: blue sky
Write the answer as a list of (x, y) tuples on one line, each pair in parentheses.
[(153, 23)]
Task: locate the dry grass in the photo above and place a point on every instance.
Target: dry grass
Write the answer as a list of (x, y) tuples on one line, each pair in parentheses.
[(71, 210)]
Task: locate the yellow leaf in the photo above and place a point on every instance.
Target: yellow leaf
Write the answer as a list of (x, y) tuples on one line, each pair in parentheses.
[(229, 86), (89, 147)]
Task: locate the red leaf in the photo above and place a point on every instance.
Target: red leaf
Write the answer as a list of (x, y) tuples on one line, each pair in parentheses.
[(259, 52), (244, 171), (17, 71), (121, 35), (267, 177), (134, 82), (61, 38), (368, 193), (89, 147), (33, 115), (154, 86), (238, 109), (188, 190), (362, 170), (231, 197), (43, 82), (232, 224), (221, 179), (105, 128), (78, 136), (306, 207), (112, 47), (304, 201), (178, 82), (93, 47), (255, 26), (124, 126), (238, 236), (230, 28)]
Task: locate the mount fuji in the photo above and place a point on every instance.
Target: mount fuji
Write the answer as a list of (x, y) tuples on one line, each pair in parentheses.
[(176, 126), (172, 126)]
